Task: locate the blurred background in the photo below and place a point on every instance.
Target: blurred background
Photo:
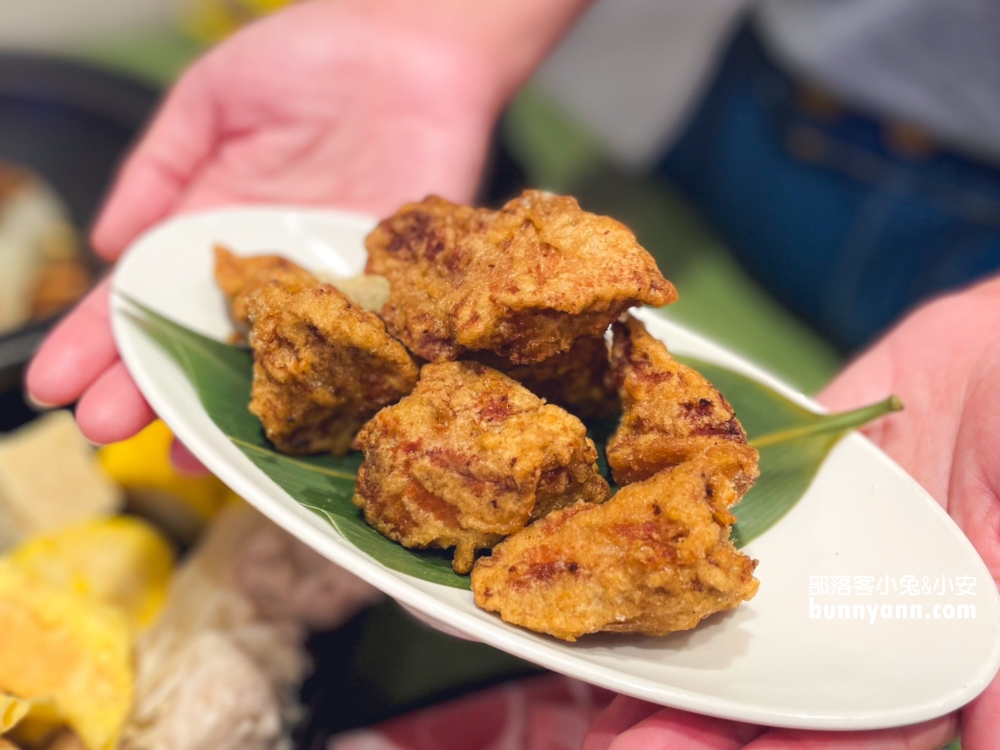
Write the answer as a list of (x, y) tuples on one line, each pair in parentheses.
[(78, 81)]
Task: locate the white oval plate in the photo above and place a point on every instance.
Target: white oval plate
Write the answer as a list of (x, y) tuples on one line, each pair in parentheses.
[(768, 662)]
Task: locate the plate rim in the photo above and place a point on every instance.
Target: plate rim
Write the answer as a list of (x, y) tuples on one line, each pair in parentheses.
[(494, 632)]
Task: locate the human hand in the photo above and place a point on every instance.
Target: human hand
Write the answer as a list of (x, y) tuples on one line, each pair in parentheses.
[(944, 363), (359, 104)]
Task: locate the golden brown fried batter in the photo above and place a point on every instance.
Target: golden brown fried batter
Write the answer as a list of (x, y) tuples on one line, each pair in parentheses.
[(578, 380), (654, 559), (239, 277), (322, 367), (524, 282), (670, 412), (469, 457)]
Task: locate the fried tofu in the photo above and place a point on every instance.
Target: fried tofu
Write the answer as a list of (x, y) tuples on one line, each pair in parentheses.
[(322, 367), (579, 380), (524, 282), (468, 458), (670, 412), (39, 495), (654, 559), (240, 277)]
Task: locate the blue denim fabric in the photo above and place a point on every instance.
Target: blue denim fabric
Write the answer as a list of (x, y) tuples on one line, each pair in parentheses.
[(845, 231)]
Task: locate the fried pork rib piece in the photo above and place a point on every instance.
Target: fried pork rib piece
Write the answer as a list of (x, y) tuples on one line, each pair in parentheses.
[(654, 559), (469, 457), (579, 380), (524, 282), (322, 367), (670, 412), (239, 277)]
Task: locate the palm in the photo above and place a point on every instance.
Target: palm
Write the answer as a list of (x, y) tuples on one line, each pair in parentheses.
[(944, 362), (348, 104), (356, 113)]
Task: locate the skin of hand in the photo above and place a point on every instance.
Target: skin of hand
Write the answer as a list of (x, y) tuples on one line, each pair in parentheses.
[(943, 361), (357, 104)]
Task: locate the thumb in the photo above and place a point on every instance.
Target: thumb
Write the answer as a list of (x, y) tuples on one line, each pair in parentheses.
[(181, 137)]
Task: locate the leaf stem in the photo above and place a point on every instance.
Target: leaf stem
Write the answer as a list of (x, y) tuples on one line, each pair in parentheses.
[(842, 422), (301, 464)]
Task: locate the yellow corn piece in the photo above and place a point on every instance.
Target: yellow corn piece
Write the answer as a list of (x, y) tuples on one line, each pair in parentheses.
[(123, 562), (41, 724), (71, 652), (141, 465), (12, 710)]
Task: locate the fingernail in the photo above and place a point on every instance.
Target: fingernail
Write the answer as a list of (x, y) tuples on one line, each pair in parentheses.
[(39, 406)]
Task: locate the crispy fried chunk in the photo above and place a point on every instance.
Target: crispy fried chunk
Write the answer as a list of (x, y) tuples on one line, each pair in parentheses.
[(670, 412), (524, 282), (469, 457), (239, 277), (322, 367), (578, 380), (654, 559)]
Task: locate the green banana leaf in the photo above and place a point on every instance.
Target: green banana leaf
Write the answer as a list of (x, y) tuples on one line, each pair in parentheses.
[(792, 441)]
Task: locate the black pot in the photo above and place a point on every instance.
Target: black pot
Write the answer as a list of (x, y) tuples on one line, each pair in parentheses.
[(71, 123)]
